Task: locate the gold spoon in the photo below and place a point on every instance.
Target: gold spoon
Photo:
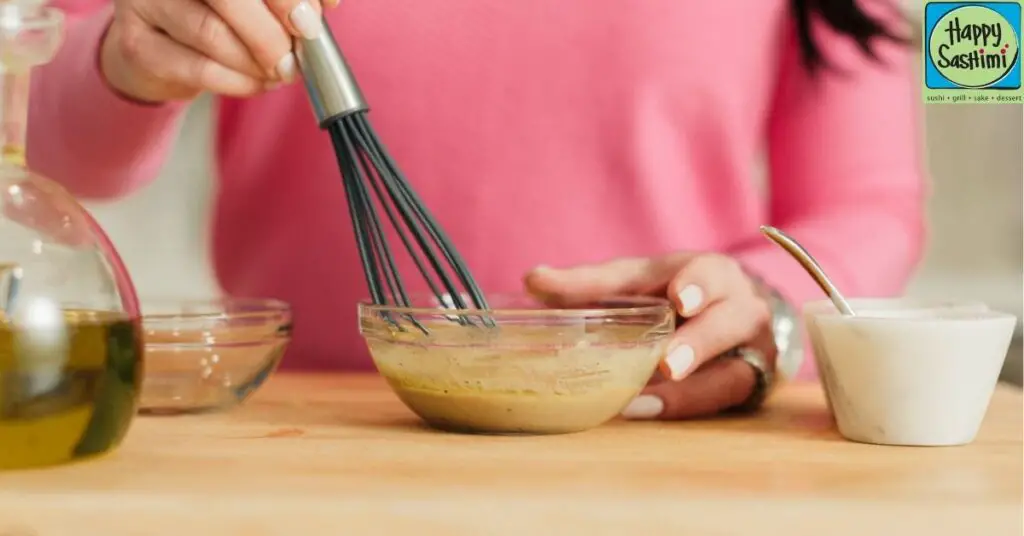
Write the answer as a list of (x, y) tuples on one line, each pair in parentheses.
[(813, 268)]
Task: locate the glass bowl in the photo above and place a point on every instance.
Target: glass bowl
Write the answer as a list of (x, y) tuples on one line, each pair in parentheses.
[(519, 368), (209, 355)]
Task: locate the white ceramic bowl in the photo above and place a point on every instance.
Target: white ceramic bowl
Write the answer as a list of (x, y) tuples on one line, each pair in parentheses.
[(907, 372)]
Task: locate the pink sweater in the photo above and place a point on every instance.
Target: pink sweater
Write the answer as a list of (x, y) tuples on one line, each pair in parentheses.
[(539, 132)]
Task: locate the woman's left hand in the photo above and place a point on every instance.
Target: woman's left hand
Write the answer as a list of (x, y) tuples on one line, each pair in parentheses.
[(723, 310)]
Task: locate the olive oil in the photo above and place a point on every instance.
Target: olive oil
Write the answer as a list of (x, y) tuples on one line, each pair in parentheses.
[(68, 388), (13, 154)]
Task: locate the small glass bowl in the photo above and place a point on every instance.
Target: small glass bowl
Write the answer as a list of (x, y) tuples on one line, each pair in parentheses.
[(209, 355), (518, 368)]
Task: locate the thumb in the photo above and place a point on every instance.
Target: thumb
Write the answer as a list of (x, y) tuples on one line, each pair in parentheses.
[(581, 285)]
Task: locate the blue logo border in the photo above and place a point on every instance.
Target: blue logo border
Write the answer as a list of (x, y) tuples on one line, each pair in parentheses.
[(933, 11)]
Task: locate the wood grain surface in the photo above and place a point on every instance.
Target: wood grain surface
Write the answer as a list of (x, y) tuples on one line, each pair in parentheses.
[(340, 455)]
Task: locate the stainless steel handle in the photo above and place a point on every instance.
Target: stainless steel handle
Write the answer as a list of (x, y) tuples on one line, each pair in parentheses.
[(810, 265), (332, 88)]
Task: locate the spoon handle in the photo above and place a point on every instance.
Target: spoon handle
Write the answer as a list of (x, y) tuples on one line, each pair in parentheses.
[(810, 265)]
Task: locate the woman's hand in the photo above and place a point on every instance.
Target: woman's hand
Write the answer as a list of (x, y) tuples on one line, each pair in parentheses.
[(722, 307), (162, 50)]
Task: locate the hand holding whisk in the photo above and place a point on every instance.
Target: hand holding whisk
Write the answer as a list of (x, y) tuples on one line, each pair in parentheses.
[(374, 184)]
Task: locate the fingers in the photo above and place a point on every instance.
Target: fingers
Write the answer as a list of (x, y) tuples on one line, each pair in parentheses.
[(160, 50), (174, 65), (195, 25), (585, 284), (705, 280), (264, 36), (722, 308), (300, 17), (718, 329), (719, 385)]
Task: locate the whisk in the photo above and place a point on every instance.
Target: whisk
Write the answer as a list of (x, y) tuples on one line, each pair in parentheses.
[(374, 184)]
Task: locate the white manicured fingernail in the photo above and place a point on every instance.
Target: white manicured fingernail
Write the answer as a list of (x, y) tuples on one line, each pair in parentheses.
[(306, 20), (644, 407), (286, 68), (544, 270), (690, 299), (679, 361)]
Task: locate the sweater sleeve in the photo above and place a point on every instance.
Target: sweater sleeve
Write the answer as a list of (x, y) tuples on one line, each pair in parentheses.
[(81, 133), (846, 174)]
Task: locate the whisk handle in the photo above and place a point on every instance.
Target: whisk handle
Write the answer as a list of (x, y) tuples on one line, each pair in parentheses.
[(332, 88)]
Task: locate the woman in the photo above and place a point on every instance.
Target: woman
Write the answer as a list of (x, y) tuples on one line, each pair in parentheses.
[(616, 144)]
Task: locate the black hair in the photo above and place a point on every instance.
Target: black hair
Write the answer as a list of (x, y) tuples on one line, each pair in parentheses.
[(845, 17)]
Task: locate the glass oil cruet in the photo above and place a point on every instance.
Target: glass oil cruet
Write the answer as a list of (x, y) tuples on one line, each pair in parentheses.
[(70, 333)]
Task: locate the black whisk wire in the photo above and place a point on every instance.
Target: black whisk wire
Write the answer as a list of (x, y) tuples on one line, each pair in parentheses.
[(373, 251), (373, 184)]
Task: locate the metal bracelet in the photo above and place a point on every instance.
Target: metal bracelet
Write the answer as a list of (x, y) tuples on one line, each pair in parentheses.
[(785, 329)]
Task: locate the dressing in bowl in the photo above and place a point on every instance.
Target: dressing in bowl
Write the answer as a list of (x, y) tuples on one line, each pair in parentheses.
[(520, 368)]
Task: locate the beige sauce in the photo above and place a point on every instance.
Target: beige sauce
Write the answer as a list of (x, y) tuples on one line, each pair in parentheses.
[(522, 413), (519, 379)]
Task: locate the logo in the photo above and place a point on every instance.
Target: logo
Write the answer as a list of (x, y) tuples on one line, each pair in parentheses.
[(972, 46)]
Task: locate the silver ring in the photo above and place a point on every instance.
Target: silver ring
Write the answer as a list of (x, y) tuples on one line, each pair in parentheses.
[(764, 378)]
